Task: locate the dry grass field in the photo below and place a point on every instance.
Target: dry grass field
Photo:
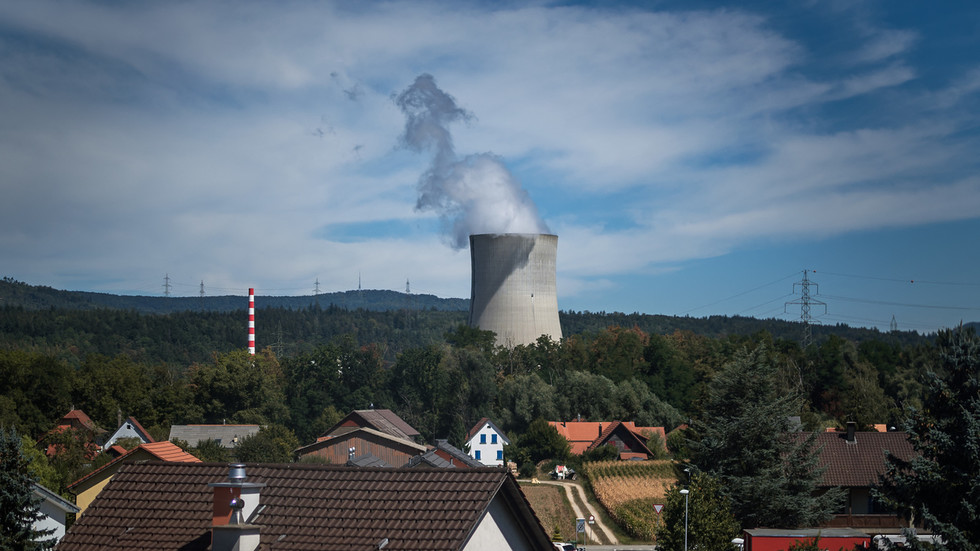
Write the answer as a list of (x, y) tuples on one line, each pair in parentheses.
[(551, 506)]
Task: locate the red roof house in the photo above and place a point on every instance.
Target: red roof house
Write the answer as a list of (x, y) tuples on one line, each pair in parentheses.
[(587, 435)]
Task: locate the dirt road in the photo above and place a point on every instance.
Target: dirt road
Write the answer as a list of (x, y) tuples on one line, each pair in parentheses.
[(571, 487)]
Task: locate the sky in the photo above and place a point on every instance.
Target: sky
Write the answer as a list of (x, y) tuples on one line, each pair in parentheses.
[(694, 158)]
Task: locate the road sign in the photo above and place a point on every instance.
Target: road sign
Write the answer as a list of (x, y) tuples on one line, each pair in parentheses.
[(580, 525), (591, 519), (658, 507)]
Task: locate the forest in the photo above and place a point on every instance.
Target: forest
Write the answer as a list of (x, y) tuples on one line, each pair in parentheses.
[(316, 363)]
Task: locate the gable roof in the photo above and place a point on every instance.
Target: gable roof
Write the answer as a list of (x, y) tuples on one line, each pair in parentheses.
[(77, 418), (583, 435), (169, 506), (383, 420), (409, 446), (635, 442), (227, 435), (54, 499), (483, 423), (162, 451), (860, 462)]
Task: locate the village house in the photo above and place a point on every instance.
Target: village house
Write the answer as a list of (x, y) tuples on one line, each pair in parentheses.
[(486, 442), (130, 428), (629, 439), (209, 507), (88, 487), (54, 511)]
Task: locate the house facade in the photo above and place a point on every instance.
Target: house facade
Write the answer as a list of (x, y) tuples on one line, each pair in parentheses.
[(346, 445), (130, 428), (203, 506), (486, 442), (54, 511)]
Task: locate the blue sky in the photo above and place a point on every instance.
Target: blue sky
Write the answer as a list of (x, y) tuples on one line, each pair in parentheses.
[(694, 158)]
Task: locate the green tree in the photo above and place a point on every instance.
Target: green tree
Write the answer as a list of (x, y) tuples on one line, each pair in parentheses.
[(941, 486), (20, 508), (710, 523), (743, 439), (210, 451), (272, 444)]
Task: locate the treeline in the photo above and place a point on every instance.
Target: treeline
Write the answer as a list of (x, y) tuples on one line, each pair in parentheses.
[(444, 386)]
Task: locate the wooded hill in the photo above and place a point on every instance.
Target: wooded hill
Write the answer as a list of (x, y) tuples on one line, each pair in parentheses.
[(187, 329)]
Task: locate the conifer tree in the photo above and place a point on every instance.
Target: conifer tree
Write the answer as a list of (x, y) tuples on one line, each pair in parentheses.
[(20, 507), (941, 486), (743, 439)]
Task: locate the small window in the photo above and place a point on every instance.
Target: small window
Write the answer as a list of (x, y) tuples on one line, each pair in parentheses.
[(483, 439), (493, 438), (500, 455), (477, 455)]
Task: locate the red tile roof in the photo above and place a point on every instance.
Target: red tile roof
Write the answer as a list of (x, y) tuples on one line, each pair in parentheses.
[(861, 462), (583, 435), (163, 451), (169, 506)]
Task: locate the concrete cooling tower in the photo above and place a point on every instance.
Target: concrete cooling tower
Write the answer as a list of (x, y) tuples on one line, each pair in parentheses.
[(513, 289)]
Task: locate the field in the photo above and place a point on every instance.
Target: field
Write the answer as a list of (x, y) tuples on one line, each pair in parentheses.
[(630, 489), (552, 508)]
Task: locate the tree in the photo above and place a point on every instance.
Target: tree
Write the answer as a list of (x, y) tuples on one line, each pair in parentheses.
[(743, 439), (941, 486), (272, 444), (710, 523), (20, 508)]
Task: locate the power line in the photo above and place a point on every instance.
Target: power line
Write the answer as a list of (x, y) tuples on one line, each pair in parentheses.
[(897, 280), (905, 304), (739, 294)]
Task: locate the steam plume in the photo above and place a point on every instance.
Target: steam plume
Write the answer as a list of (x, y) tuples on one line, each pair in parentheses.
[(476, 194)]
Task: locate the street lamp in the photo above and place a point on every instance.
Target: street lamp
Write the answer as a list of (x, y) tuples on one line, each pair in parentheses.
[(685, 492)]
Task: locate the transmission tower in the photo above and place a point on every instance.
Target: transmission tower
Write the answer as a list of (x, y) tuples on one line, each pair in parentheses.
[(316, 292), (166, 285), (893, 326), (408, 288), (202, 295), (805, 301)]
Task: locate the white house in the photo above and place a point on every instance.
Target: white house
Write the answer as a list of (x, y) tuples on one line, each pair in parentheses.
[(54, 511), (128, 429), (486, 443)]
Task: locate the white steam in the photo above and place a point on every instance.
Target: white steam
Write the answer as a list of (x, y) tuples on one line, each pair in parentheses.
[(476, 194)]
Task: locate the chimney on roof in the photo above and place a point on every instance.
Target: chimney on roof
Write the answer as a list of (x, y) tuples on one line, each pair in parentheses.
[(235, 503), (600, 429), (851, 430)]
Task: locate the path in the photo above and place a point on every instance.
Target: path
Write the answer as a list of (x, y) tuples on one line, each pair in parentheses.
[(610, 537)]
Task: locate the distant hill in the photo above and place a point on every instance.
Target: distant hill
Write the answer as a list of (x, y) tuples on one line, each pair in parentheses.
[(379, 305), (36, 297)]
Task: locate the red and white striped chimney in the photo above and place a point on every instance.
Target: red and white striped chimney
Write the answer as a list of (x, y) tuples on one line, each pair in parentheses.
[(251, 321)]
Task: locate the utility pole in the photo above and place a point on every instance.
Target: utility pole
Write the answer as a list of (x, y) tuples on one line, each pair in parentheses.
[(805, 301)]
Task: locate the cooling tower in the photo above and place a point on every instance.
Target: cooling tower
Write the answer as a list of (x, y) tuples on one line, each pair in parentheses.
[(513, 286)]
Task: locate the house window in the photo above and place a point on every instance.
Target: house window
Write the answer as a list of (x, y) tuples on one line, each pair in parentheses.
[(493, 438), (483, 439), (477, 455), (500, 455)]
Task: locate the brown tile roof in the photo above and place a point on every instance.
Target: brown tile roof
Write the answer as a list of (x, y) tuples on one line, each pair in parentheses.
[(477, 427), (169, 506), (383, 420), (861, 462)]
